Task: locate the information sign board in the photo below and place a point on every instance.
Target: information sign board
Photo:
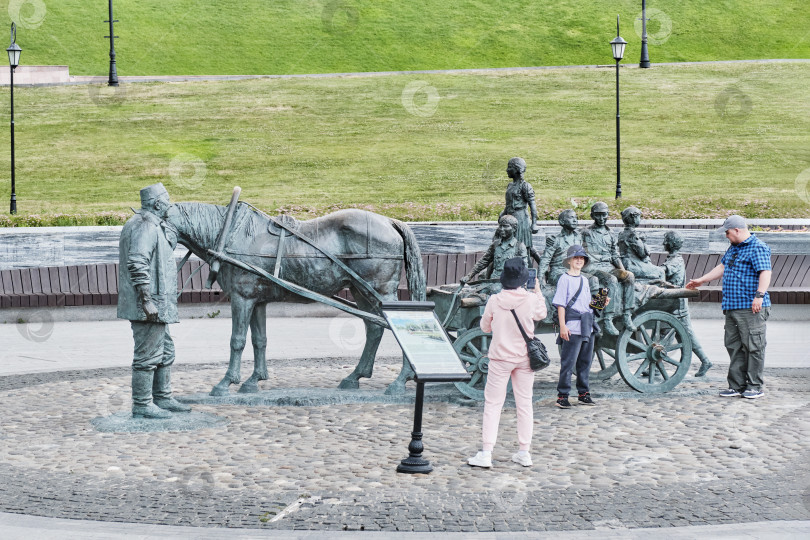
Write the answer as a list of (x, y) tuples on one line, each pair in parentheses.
[(424, 342)]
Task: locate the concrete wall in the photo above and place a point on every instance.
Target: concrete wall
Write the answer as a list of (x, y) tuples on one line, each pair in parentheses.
[(26, 247)]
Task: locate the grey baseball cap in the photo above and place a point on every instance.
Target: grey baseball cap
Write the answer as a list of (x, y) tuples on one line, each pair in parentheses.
[(734, 222)]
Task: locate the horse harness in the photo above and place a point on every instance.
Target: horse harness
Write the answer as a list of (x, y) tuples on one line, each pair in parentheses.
[(284, 226)]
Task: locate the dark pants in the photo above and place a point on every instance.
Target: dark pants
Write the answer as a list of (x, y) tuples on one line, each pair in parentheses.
[(575, 351), (154, 347), (745, 342)]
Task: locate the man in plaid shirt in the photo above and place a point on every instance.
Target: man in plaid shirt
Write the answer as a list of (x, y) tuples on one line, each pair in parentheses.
[(746, 273)]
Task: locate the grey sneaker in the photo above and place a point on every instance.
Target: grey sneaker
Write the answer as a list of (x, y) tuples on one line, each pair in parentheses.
[(729, 393), (753, 394)]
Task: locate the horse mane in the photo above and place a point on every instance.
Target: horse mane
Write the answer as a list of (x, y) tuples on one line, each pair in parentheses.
[(203, 222)]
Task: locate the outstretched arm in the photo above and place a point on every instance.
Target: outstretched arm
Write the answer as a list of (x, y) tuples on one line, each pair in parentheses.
[(714, 273), (480, 265)]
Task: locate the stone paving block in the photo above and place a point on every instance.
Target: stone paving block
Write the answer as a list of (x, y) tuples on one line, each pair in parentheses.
[(266, 458)]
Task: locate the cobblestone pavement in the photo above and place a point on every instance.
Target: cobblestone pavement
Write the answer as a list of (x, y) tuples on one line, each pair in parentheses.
[(633, 461)]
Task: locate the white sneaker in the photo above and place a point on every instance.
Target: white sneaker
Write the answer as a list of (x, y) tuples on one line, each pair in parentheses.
[(523, 459), (480, 460)]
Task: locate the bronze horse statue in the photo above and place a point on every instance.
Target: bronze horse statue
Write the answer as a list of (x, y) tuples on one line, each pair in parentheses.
[(373, 246)]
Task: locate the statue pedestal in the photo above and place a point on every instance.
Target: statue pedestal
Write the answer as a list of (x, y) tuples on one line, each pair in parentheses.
[(123, 422)]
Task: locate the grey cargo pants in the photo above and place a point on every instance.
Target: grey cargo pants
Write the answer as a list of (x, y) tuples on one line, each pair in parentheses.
[(745, 342)]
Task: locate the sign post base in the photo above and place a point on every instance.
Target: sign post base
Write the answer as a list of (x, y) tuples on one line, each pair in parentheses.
[(414, 464)]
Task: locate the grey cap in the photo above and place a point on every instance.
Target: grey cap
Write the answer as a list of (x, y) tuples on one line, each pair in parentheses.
[(599, 206), (150, 193), (734, 222)]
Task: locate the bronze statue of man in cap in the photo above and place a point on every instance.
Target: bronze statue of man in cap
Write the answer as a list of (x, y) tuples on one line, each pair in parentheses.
[(147, 297)]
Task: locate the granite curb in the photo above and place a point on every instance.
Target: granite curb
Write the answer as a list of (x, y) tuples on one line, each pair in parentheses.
[(19, 527)]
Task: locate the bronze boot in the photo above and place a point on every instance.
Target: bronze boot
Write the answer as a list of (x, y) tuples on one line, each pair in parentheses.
[(162, 391), (142, 406)]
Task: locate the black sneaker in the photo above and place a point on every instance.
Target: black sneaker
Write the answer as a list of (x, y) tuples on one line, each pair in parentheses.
[(585, 399), (562, 402)]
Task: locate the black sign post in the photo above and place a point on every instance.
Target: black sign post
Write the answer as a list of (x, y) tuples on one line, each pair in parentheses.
[(414, 463), (431, 355)]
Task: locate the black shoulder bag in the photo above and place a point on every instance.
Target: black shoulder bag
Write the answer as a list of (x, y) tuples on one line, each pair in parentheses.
[(538, 356)]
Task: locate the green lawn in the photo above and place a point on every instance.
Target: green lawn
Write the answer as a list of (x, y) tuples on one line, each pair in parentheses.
[(314, 36), (308, 146)]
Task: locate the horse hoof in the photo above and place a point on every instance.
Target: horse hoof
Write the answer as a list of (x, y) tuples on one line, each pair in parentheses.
[(349, 384), (395, 389), (219, 391), (249, 388)]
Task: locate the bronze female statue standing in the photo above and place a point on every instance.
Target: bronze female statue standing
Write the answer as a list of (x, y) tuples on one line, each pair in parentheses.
[(519, 196)]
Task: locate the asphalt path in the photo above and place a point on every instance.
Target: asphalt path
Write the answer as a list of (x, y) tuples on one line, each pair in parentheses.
[(128, 79), (45, 346)]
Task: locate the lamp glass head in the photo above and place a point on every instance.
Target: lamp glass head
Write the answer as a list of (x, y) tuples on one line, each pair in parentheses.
[(14, 55), (618, 45)]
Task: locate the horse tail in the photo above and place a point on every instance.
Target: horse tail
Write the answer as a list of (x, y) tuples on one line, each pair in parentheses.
[(414, 270)]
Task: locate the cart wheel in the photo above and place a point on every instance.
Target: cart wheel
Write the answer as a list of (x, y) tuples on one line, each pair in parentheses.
[(472, 347), (655, 357), (606, 363)]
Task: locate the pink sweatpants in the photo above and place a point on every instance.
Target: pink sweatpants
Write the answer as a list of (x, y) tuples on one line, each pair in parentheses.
[(495, 394)]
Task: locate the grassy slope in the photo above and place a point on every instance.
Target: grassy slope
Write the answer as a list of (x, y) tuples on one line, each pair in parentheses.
[(306, 144), (313, 36)]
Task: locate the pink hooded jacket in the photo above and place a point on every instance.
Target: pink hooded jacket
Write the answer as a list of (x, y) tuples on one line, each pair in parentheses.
[(507, 342)]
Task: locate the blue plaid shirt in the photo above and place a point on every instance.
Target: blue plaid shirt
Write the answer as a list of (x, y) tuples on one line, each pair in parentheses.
[(743, 263)]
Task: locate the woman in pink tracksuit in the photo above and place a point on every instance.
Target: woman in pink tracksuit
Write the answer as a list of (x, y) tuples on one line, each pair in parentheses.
[(508, 358)]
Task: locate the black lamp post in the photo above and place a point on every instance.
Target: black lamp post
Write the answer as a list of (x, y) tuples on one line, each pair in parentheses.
[(618, 45), (113, 80), (13, 61), (645, 55)]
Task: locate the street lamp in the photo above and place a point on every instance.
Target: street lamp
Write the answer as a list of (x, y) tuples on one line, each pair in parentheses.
[(13, 51), (113, 79), (618, 45), (645, 55)]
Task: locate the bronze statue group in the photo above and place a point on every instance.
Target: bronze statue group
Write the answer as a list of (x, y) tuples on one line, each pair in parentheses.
[(580, 262), (575, 267)]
